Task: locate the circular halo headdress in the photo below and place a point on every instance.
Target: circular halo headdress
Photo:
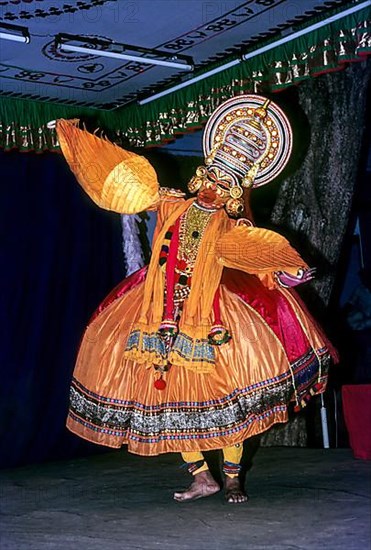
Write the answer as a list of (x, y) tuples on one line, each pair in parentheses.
[(250, 138)]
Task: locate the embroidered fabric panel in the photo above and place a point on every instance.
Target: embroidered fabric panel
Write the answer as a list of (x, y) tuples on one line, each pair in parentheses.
[(177, 420), (190, 420), (152, 342), (186, 347), (194, 350), (310, 369)]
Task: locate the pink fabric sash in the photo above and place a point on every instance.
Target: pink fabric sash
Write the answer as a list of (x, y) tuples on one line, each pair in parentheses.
[(272, 306)]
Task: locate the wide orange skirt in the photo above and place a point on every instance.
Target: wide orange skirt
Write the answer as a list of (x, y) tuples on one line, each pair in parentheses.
[(277, 354)]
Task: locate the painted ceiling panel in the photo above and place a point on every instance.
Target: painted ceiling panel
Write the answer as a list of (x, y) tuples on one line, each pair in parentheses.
[(206, 31)]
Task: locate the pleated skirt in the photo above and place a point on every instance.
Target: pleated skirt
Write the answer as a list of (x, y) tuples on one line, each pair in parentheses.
[(277, 355)]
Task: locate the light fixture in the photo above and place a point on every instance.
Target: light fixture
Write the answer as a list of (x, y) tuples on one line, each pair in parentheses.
[(254, 53), (108, 48), (190, 81), (15, 33)]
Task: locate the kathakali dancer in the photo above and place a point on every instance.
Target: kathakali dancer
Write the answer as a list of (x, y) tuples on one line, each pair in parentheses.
[(208, 345)]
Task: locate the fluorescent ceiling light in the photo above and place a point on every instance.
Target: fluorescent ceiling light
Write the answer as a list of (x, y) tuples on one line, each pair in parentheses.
[(190, 81), (128, 57), (307, 30), (14, 33), (104, 48), (250, 55)]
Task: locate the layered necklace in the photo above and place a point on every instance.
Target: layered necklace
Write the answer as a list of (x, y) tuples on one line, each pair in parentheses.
[(191, 229)]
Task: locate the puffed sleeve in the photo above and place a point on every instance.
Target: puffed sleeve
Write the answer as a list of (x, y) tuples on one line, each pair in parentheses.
[(259, 252), (115, 179)]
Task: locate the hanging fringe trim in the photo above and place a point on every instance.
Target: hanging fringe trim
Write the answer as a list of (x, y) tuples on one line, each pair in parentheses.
[(317, 389), (192, 352), (146, 348), (195, 354)]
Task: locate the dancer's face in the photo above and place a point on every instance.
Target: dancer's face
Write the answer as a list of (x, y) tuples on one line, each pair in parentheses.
[(211, 197), (215, 191)]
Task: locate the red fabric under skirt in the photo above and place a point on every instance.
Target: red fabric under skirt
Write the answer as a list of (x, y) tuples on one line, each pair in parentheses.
[(277, 354), (357, 414)]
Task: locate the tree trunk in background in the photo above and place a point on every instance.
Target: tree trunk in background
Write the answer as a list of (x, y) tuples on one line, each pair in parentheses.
[(314, 204)]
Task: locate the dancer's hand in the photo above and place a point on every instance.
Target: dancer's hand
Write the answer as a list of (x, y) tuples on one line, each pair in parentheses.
[(288, 281)]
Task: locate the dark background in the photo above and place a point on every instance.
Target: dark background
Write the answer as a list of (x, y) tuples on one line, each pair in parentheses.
[(60, 255)]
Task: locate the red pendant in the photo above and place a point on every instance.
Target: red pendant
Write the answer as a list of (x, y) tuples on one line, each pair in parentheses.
[(160, 384)]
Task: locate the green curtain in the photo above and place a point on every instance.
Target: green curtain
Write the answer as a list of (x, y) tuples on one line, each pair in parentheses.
[(330, 48)]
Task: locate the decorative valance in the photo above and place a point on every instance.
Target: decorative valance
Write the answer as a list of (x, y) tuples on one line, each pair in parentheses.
[(330, 48)]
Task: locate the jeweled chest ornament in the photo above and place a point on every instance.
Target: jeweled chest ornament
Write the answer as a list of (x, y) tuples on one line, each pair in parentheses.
[(191, 229)]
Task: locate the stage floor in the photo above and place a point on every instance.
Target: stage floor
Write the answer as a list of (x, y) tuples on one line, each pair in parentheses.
[(299, 499)]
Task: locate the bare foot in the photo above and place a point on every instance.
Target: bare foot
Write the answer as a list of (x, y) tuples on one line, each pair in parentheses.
[(234, 493), (204, 485)]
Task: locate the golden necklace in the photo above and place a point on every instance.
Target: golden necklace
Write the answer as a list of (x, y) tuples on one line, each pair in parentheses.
[(191, 229)]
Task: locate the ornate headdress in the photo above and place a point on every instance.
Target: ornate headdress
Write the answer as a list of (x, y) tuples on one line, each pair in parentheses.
[(247, 142)]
